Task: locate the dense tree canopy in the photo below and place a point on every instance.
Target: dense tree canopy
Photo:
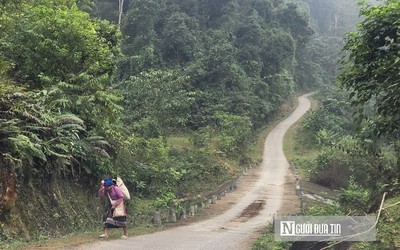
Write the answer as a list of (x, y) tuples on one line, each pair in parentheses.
[(216, 66), (57, 42), (57, 63), (225, 49), (180, 65), (372, 65)]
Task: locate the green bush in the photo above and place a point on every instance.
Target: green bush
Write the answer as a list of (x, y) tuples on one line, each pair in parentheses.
[(354, 199)]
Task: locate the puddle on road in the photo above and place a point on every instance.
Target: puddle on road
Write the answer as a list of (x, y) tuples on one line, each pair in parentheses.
[(252, 210)]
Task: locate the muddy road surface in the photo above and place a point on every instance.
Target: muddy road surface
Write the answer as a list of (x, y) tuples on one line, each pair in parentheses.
[(257, 199)]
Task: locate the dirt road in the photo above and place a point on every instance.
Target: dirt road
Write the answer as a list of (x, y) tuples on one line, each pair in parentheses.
[(252, 208)]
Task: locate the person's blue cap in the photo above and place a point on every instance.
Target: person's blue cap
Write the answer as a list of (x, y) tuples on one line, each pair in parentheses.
[(108, 182)]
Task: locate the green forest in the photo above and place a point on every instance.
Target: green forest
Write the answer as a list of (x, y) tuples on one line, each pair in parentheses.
[(172, 96)]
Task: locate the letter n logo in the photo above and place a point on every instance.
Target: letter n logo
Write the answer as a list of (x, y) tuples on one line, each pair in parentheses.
[(287, 228)]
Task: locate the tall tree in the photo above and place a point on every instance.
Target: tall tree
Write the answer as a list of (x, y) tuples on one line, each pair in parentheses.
[(371, 66), (157, 99), (370, 74), (120, 10), (179, 38)]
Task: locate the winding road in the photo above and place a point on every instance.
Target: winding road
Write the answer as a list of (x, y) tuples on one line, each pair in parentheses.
[(230, 230)]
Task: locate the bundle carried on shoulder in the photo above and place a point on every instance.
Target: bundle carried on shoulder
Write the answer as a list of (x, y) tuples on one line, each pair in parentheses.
[(124, 189)]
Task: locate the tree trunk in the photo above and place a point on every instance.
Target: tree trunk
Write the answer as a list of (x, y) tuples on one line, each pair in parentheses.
[(120, 6)]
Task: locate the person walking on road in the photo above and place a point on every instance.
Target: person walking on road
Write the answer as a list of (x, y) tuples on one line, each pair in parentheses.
[(116, 197)]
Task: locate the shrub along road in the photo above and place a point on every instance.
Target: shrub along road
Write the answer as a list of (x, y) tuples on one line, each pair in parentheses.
[(257, 202)]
